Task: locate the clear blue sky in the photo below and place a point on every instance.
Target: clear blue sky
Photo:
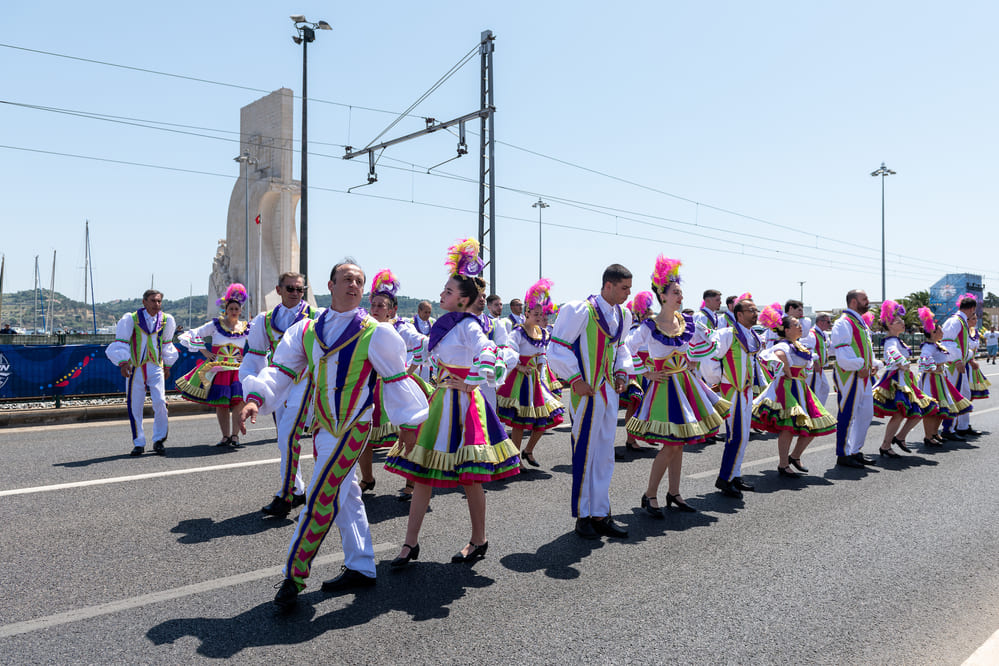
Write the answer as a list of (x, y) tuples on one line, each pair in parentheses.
[(778, 111)]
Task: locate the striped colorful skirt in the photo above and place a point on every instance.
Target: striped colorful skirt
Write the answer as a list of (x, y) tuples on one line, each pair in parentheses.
[(461, 443), (762, 377), (680, 410), (633, 393), (788, 405), (897, 394), (979, 384), (525, 401), (950, 402), (211, 383)]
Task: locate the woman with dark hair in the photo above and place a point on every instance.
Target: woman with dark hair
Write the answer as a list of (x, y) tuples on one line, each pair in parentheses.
[(463, 442), (215, 380), (896, 395), (678, 407), (788, 407), (933, 380)]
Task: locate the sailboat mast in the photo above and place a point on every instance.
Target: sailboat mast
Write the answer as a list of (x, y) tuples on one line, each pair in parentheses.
[(52, 296), (90, 264), (3, 263), (38, 284)]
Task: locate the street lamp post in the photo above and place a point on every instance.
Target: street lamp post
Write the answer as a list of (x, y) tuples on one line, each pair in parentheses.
[(539, 204), (246, 161), (306, 33), (883, 171)]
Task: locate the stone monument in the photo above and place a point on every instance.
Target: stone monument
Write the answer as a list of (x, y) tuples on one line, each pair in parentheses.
[(272, 244)]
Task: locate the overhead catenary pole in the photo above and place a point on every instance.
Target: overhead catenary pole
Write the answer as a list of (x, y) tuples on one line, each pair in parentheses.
[(801, 285), (539, 204)]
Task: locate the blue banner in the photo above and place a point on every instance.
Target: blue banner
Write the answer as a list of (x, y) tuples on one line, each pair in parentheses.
[(38, 371)]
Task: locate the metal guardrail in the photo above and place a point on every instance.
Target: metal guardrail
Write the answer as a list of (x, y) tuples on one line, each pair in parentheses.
[(57, 339)]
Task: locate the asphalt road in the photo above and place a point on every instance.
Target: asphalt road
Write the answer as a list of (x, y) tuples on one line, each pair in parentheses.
[(168, 560)]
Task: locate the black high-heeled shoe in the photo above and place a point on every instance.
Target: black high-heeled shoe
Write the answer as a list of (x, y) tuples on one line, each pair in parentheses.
[(654, 511), (403, 560), (367, 485), (680, 504), (928, 441), (900, 444), (788, 472), (633, 446), (529, 457), (477, 553), (888, 453), (796, 463)]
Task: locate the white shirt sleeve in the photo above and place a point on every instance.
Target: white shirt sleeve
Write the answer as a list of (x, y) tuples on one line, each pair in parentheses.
[(119, 351), (269, 387), (169, 350), (569, 325), (404, 402)]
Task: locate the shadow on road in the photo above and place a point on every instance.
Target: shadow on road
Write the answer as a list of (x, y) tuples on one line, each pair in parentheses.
[(423, 591), (203, 530), (555, 558), (179, 451), (770, 481)]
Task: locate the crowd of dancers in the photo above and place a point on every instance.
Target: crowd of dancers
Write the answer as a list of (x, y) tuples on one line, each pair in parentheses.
[(441, 394)]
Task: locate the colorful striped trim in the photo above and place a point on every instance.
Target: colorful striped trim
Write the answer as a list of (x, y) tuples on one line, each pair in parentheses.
[(288, 371), (394, 378), (409, 427), (258, 352), (572, 380), (255, 398), (561, 342)]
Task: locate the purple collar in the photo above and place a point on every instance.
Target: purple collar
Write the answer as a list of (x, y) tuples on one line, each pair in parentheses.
[(350, 331), (737, 331), (541, 342), (230, 334), (158, 325), (904, 346), (302, 307), (712, 316), (671, 340), (602, 321), (444, 325)]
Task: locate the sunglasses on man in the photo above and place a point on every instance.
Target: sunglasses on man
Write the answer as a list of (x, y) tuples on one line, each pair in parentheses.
[(292, 290)]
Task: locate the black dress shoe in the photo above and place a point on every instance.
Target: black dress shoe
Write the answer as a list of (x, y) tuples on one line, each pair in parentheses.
[(297, 500), (680, 504), (849, 461), (278, 508), (584, 528), (158, 447), (952, 436), (654, 511), (403, 560), (932, 442), (137, 451), (477, 553), (862, 459), (348, 580), (888, 453), (727, 489), (619, 456), (529, 457), (968, 432), (900, 444), (739, 484), (287, 597), (607, 527), (796, 463)]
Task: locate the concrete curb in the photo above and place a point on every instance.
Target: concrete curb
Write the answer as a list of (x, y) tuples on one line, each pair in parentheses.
[(53, 416)]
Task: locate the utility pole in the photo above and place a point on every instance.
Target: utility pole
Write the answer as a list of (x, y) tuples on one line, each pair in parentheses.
[(540, 205), (883, 171)]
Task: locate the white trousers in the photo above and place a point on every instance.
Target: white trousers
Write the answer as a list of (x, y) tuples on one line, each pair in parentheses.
[(298, 406), (147, 375), (855, 398), (819, 384), (594, 427)]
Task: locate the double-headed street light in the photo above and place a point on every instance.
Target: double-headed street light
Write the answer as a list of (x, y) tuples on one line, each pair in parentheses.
[(883, 171), (539, 204), (306, 33)]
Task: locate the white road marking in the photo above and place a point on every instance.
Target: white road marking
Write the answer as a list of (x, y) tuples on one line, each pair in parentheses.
[(158, 597), (987, 654), (139, 477), (761, 461), (110, 423)]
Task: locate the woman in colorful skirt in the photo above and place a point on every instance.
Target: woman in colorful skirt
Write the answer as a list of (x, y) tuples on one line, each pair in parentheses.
[(463, 442), (933, 380), (383, 433), (525, 401), (215, 380), (788, 407), (631, 399), (553, 383), (896, 395), (976, 378), (678, 407)]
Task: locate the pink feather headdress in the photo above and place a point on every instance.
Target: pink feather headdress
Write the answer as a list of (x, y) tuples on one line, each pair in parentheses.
[(964, 296), (744, 297), (463, 258), (868, 318), (772, 316), (235, 292), (667, 272), (385, 282), (642, 303), (539, 293), (926, 316), (890, 310)]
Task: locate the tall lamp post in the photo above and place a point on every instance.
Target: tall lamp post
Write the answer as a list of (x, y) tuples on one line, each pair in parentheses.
[(245, 162), (540, 205), (883, 171), (306, 33)]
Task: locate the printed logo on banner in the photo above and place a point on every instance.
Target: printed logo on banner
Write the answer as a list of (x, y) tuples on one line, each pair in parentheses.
[(4, 370)]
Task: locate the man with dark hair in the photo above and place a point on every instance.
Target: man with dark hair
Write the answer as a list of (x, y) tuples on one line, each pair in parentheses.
[(516, 315), (588, 351), (343, 351), (495, 306), (736, 348), (143, 350), (961, 357), (423, 322), (295, 414), (708, 321), (729, 312), (855, 363)]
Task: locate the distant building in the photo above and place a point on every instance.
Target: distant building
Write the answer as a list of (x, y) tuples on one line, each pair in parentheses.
[(944, 293)]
